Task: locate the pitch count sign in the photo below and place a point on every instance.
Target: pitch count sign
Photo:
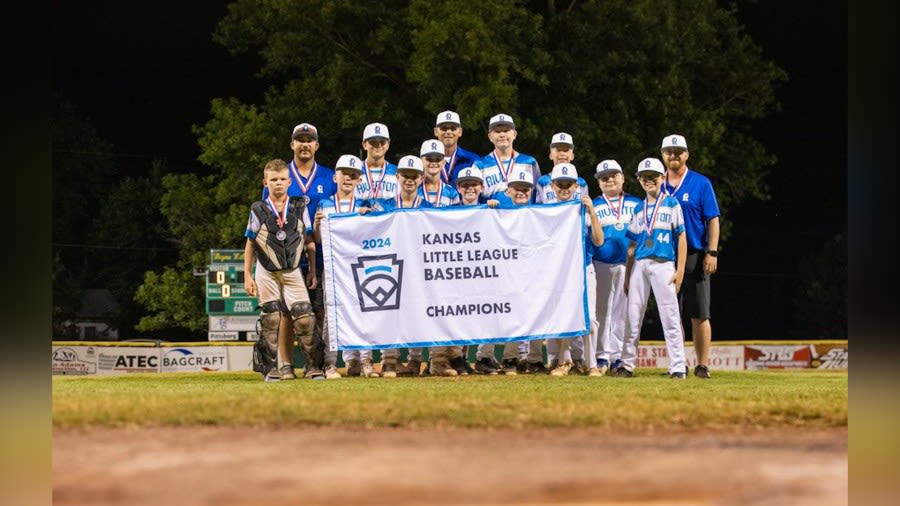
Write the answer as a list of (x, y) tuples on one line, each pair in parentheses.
[(225, 292)]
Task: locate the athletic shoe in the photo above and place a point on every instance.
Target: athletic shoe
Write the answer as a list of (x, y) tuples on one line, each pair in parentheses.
[(287, 372), (522, 365), (537, 368), (460, 365), (617, 363), (602, 366), (595, 372), (443, 369), (354, 367), (510, 367), (315, 374), (272, 375), (486, 366), (331, 372), (561, 369), (701, 371), (389, 370), (412, 368), (368, 370), (677, 376), (622, 372), (579, 366)]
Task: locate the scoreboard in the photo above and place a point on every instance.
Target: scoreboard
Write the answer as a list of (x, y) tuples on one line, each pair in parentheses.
[(232, 313)]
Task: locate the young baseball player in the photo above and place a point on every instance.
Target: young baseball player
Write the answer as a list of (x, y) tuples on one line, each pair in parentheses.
[(448, 129), (378, 181), (614, 209), (504, 160), (656, 256), (409, 174), (564, 183), (562, 150), (277, 230), (348, 173)]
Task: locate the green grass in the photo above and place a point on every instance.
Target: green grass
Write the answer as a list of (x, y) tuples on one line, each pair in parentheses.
[(649, 401)]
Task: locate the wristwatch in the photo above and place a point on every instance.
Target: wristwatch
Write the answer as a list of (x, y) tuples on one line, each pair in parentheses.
[(713, 253)]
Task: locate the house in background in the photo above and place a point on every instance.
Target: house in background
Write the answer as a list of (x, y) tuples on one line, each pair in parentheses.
[(96, 319)]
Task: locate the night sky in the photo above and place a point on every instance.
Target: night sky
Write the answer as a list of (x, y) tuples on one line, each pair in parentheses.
[(127, 68)]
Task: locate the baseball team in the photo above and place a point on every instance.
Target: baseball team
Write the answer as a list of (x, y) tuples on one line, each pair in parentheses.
[(664, 242)]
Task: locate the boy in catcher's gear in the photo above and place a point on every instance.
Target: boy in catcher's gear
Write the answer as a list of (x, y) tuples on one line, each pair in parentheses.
[(656, 256), (277, 231)]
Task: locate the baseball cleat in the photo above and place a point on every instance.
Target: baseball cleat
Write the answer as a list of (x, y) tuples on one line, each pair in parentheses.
[(701, 371)]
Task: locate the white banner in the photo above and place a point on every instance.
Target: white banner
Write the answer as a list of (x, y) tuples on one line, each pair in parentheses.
[(454, 275)]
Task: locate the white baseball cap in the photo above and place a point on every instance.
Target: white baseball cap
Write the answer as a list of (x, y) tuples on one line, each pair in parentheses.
[(521, 176), (410, 162), (674, 141), (432, 147), (349, 162), (501, 120), (304, 129), (447, 117), (562, 138), (471, 173), (607, 168), (376, 131), (562, 171), (651, 165)]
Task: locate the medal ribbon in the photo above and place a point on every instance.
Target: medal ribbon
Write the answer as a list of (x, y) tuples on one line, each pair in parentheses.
[(304, 188), (416, 203), (337, 204), (666, 185), (652, 221), (448, 167), (509, 165), (616, 212), (437, 195), (282, 217), (372, 184)]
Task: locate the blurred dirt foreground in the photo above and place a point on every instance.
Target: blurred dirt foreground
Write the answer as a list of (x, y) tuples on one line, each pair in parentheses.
[(228, 466)]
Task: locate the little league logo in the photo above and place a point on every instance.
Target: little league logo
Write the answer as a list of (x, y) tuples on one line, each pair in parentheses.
[(378, 281)]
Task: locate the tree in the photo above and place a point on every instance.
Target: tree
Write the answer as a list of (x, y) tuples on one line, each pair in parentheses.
[(618, 75)]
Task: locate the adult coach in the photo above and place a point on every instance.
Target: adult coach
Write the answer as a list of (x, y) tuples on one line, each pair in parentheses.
[(448, 129), (697, 198)]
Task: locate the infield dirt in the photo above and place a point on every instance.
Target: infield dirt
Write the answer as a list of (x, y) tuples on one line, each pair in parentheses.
[(228, 466)]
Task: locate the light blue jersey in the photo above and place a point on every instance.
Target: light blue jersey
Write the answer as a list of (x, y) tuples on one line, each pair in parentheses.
[(664, 221), (378, 185), (387, 205), (496, 172), (334, 205), (614, 216), (544, 193), (442, 196)]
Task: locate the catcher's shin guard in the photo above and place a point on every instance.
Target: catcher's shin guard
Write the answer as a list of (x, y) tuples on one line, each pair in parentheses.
[(265, 353), (311, 346)]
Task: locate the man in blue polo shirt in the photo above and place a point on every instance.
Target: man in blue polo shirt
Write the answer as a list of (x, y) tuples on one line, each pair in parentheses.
[(697, 198)]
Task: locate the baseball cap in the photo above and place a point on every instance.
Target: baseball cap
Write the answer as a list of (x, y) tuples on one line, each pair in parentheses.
[(410, 162), (562, 138), (562, 171), (447, 117), (651, 165), (349, 162), (501, 120), (376, 131), (674, 141), (432, 147), (305, 130), (607, 168), (521, 176), (471, 173)]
